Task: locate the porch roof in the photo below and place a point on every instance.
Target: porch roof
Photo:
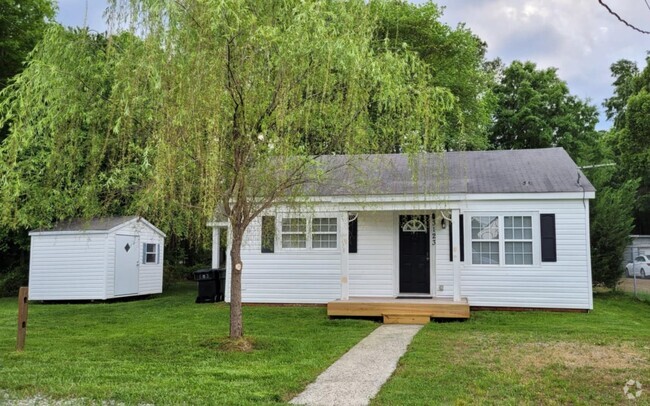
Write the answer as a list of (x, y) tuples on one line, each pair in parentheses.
[(547, 170)]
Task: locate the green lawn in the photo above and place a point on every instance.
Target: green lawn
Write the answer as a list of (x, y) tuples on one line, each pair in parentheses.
[(528, 358), (166, 351)]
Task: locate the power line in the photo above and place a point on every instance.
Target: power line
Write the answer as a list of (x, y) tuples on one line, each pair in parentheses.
[(622, 20), (647, 4)]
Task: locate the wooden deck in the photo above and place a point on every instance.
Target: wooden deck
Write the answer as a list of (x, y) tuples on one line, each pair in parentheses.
[(400, 311)]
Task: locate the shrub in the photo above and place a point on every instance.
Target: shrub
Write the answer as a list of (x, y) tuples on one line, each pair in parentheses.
[(611, 225), (12, 280), (179, 272)]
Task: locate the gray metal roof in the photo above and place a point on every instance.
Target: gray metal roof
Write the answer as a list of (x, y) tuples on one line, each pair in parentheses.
[(98, 224), (546, 170)]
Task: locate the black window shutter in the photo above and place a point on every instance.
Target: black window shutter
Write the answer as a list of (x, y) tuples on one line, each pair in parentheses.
[(547, 226), (268, 234), (352, 235), (451, 239), (462, 239)]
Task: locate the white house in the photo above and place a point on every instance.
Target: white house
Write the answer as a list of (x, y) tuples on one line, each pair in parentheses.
[(96, 259), (490, 229)]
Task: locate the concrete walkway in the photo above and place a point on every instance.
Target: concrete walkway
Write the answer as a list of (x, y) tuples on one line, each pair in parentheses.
[(359, 374)]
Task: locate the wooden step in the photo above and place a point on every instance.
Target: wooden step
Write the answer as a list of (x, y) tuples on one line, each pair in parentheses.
[(406, 318)]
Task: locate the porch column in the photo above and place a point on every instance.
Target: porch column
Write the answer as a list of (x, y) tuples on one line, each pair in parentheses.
[(455, 220), (345, 255), (216, 247)]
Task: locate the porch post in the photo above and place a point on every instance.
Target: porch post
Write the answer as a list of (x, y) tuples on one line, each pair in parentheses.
[(216, 247), (455, 220), (345, 255)]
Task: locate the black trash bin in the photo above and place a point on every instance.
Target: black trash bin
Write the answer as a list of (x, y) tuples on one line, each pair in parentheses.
[(211, 284)]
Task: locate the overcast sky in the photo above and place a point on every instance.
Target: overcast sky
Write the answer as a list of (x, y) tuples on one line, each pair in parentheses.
[(579, 37)]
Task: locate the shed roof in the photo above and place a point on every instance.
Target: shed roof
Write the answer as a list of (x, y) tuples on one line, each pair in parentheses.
[(547, 170), (96, 224)]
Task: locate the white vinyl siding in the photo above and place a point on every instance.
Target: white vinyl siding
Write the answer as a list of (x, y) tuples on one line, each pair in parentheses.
[(287, 275), (67, 267), (562, 284), (314, 275), (371, 267), (80, 265)]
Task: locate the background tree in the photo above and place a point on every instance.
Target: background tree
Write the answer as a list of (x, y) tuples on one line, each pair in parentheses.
[(455, 59), (536, 110), (629, 108), (22, 24), (611, 224)]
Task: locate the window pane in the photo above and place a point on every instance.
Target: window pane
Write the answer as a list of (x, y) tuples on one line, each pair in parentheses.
[(519, 253), (324, 225), (294, 225), (324, 241), (485, 228), (151, 258), (518, 228), (485, 252), (294, 241), (151, 248)]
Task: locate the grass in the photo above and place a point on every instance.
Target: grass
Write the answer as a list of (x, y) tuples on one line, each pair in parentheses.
[(528, 358), (168, 350)]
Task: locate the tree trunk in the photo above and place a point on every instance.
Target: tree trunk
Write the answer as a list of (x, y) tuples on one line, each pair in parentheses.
[(236, 317)]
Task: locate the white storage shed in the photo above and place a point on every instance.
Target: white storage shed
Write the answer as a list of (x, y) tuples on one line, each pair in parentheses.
[(96, 259)]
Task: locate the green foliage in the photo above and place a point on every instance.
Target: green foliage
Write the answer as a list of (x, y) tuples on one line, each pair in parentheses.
[(77, 146), (12, 280), (536, 110), (611, 224), (166, 351), (22, 24), (455, 60), (250, 94), (630, 137), (174, 273)]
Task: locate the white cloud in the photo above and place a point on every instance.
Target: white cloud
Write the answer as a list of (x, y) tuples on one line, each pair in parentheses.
[(580, 38)]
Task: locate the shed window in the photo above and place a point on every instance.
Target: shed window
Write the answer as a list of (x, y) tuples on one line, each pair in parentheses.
[(149, 253), (294, 232)]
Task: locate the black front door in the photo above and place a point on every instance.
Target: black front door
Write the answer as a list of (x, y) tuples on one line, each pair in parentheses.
[(414, 272)]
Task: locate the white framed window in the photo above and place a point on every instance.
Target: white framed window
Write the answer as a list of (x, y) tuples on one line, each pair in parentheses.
[(518, 239), (150, 253), (308, 232), (503, 239), (294, 232), (324, 232), (485, 240)]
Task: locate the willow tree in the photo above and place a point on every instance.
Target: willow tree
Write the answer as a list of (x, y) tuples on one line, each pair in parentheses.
[(249, 94), (223, 106), (72, 151)]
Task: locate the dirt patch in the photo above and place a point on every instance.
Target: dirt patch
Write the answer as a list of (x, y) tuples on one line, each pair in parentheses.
[(226, 344), (578, 355), (642, 285)]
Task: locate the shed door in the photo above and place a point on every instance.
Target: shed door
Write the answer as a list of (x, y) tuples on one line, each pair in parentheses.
[(126, 265)]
